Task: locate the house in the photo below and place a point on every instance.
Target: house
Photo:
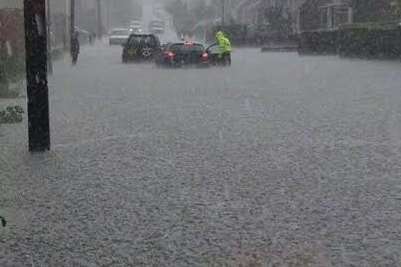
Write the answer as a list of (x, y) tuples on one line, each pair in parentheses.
[(374, 10), (330, 14), (325, 14), (11, 4), (118, 13), (11, 32)]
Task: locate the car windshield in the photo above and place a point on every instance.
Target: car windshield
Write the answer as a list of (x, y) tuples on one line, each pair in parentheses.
[(121, 32), (214, 49), (200, 133), (142, 39), (186, 47)]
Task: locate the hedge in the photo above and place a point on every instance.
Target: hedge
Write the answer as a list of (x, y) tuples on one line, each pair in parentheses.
[(318, 42), (370, 43), (364, 41)]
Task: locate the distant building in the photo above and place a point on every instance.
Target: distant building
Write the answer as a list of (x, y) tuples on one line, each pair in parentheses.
[(325, 14), (119, 13), (253, 11), (247, 11), (115, 13), (85, 14), (373, 10), (330, 14), (11, 4), (11, 32)]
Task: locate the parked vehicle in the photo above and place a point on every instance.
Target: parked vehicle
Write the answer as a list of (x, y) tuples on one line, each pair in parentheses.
[(84, 36), (183, 54), (141, 47), (119, 36), (136, 26), (156, 26)]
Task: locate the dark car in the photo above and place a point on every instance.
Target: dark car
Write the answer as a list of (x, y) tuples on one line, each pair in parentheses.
[(183, 54), (141, 47), (119, 36)]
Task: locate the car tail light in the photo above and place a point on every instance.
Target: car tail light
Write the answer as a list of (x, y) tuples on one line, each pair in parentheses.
[(169, 54)]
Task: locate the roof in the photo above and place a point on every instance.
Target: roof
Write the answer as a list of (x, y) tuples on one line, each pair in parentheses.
[(142, 34), (120, 29), (184, 43)]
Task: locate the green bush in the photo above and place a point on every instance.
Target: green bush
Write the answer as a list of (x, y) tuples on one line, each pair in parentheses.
[(370, 41), (12, 114), (364, 40), (318, 42)]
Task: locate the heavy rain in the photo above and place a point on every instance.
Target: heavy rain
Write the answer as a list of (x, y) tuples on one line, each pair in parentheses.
[(200, 133)]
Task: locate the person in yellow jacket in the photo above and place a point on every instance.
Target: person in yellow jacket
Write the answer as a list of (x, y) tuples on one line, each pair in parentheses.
[(225, 48)]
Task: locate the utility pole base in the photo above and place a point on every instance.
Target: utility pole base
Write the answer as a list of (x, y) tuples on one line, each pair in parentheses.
[(36, 75)]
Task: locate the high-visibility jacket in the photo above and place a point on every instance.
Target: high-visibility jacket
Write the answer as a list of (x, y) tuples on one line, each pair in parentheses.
[(223, 42)]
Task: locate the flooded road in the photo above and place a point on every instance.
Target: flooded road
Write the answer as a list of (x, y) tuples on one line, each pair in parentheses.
[(277, 159)]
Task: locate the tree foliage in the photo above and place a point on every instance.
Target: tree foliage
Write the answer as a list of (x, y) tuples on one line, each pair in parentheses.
[(278, 19), (397, 7), (185, 16)]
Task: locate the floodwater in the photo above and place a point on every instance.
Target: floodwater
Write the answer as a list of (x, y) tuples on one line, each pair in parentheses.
[(277, 159)]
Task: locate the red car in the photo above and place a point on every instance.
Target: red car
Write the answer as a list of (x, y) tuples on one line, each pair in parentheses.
[(183, 54)]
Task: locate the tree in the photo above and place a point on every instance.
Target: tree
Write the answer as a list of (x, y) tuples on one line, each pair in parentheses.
[(397, 7), (186, 17), (199, 9), (180, 14), (375, 10), (279, 21)]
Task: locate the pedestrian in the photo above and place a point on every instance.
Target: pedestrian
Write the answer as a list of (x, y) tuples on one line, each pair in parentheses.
[(3, 221), (75, 47), (91, 40), (93, 37), (225, 48)]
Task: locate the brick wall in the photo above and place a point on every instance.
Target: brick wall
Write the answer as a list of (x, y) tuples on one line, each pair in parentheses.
[(11, 4), (12, 31)]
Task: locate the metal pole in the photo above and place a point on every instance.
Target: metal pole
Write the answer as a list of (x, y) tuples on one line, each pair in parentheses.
[(99, 20), (72, 25), (49, 44), (108, 16), (36, 75), (66, 32), (223, 12)]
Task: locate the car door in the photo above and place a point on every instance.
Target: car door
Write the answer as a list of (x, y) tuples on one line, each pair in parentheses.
[(213, 51)]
